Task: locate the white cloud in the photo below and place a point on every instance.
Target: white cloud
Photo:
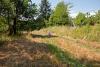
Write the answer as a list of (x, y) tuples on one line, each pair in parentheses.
[(73, 15)]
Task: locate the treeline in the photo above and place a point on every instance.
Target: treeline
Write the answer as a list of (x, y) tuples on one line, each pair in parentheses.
[(20, 15), (87, 19)]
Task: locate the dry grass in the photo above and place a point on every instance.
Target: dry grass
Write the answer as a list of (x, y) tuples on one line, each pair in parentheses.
[(90, 33), (83, 49), (66, 45), (77, 51), (24, 53)]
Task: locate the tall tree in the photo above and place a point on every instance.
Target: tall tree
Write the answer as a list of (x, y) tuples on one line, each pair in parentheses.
[(60, 15), (30, 14), (13, 9), (45, 10)]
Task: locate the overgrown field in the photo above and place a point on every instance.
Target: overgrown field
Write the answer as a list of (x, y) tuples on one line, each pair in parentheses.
[(83, 43), (90, 33), (58, 46)]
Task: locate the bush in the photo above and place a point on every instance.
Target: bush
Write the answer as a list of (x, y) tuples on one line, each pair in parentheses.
[(28, 25), (80, 19), (3, 24)]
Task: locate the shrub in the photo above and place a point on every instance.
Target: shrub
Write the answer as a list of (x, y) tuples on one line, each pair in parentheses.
[(3, 24)]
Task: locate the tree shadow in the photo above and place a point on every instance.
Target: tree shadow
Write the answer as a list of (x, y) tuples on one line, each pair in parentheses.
[(43, 36), (1, 43), (23, 53)]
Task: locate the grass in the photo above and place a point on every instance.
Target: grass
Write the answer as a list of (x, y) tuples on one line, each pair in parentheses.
[(21, 54), (65, 57), (74, 47), (91, 48), (4, 38), (90, 33), (81, 43)]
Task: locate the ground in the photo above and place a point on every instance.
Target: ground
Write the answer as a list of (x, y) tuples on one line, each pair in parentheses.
[(38, 49)]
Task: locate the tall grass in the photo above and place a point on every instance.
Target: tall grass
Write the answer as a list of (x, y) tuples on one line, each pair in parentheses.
[(90, 33)]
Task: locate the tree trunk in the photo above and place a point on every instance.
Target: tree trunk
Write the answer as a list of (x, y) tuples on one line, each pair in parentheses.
[(12, 27)]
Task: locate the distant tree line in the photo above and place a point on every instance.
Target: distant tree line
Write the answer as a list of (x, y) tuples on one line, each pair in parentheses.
[(87, 19)]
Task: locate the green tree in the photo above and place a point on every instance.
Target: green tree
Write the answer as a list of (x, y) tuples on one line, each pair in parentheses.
[(30, 23), (13, 9), (91, 20), (45, 12), (98, 17), (80, 19), (60, 15), (3, 24)]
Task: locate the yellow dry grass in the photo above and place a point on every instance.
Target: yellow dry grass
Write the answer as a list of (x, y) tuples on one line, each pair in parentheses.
[(72, 45), (79, 52)]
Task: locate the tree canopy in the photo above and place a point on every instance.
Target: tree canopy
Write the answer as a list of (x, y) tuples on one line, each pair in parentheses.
[(15, 9), (80, 19), (60, 15)]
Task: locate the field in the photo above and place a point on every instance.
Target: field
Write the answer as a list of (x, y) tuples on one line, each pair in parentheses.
[(57, 46)]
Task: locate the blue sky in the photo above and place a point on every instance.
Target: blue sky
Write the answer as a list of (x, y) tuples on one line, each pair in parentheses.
[(78, 5)]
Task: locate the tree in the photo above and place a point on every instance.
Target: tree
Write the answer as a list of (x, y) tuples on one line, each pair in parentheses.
[(31, 11), (80, 19), (97, 16), (60, 15), (30, 15), (3, 24), (45, 11), (13, 9), (91, 20)]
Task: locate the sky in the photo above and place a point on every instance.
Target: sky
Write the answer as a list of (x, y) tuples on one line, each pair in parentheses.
[(78, 5)]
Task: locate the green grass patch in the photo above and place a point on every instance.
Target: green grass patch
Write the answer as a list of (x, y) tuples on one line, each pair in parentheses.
[(65, 57)]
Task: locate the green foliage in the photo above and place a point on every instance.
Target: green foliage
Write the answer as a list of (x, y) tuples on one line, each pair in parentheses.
[(14, 10), (28, 25), (31, 11), (60, 15), (80, 19), (3, 24), (91, 20), (30, 14), (44, 13), (45, 10), (98, 17)]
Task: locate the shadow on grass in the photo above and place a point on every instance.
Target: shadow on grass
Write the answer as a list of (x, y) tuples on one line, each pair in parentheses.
[(43, 36), (23, 53), (1, 43)]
